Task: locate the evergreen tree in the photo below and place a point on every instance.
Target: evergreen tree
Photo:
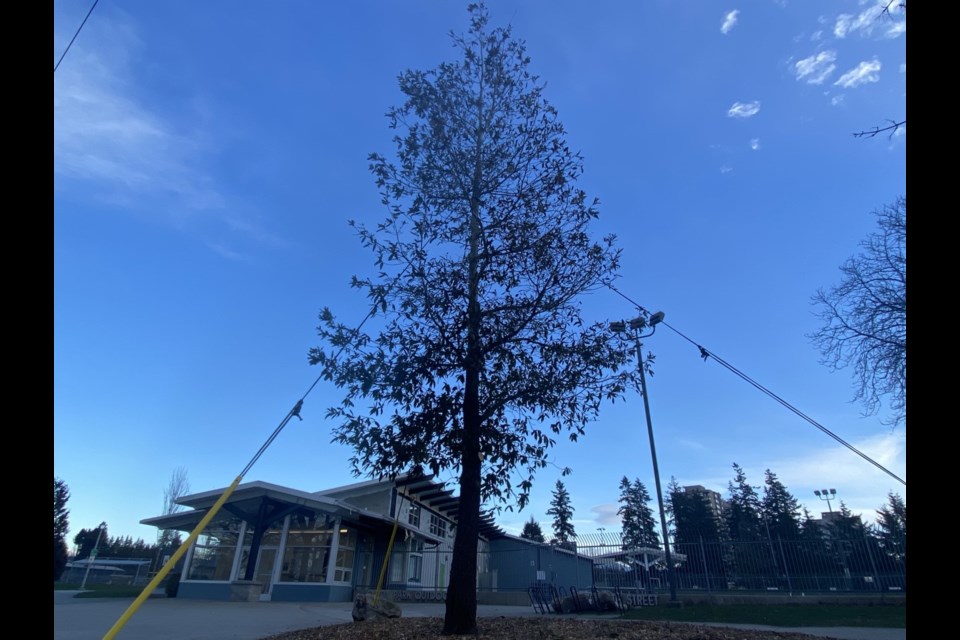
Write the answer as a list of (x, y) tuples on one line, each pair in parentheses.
[(61, 524), (87, 539), (561, 509), (695, 528), (532, 531), (892, 527), (746, 527), (780, 509), (743, 512), (639, 525), (692, 516)]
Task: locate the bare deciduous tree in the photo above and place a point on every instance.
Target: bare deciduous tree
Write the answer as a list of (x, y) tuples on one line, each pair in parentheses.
[(865, 316), (177, 487)]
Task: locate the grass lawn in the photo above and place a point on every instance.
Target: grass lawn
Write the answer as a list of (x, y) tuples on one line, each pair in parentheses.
[(797, 615)]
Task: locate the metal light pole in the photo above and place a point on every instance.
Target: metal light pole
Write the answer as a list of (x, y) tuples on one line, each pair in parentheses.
[(93, 554), (826, 494), (637, 324)]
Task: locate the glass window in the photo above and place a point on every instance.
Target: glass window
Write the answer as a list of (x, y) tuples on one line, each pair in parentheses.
[(346, 550), (415, 561), (438, 526), (214, 550), (413, 515), (307, 553), (271, 538)]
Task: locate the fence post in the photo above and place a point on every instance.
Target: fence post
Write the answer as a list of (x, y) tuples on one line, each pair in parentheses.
[(706, 570), (786, 571)]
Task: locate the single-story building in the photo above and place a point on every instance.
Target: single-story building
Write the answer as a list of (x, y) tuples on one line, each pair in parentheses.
[(277, 543)]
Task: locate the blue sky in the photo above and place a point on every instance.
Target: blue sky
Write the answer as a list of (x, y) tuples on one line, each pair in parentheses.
[(207, 157)]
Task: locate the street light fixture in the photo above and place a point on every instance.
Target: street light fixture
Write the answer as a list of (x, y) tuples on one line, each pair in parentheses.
[(826, 494), (636, 325)]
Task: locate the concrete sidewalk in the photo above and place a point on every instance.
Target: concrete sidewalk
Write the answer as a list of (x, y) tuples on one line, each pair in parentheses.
[(182, 619)]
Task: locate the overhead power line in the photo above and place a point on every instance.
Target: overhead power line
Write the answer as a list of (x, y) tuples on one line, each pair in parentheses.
[(75, 36), (706, 353)]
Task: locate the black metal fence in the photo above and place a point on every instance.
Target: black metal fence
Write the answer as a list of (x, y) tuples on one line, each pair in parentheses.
[(863, 565)]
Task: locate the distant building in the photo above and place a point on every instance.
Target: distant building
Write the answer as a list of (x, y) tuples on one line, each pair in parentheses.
[(713, 499)]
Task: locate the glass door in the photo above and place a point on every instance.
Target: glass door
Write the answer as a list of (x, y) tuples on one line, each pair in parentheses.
[(265, 564)]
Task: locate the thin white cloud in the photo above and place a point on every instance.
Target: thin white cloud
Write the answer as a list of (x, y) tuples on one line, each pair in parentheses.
[(106, 137), (225, 252), (835, 466), (115, 147), (755, 143), (896, 30), (863, 73), (729, 21), (744, 110), (606, 514), (837, 100), (869, 19), (691, 444), (816, 35), (726, 169), (816, 68), (842, 25)]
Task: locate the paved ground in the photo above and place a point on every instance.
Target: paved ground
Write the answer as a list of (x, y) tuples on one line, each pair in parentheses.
[(182, 619)]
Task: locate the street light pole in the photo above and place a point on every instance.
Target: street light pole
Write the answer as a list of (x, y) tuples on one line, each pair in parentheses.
[(93, 554), (637, 324), (826, 494)]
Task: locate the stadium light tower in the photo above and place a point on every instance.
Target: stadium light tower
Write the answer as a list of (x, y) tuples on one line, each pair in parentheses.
[(826, 494), (636, 325)]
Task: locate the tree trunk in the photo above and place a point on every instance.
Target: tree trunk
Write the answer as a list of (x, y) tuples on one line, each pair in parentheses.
[(461, 613)]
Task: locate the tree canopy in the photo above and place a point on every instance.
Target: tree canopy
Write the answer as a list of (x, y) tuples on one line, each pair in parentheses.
[(61, 524), (639, 525), (532, 531), (743, 508), (564, 534), (780, 508), (864, 317), (481, 355)]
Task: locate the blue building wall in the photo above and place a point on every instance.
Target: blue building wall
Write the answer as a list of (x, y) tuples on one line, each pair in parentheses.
[(203, 590), (311, 593), (517, 563)]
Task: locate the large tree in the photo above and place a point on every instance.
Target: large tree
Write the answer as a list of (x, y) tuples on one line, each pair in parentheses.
[(780, 508), (89, 539), (639, 525), (561, 508), (743, 513), (61, 523), (892, 526), (169, 539), (482, 355), (865, 316), (532, 531)]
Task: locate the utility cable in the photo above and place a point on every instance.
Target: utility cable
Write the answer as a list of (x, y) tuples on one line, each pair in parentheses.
[(212, 511), (296, 409), (706, 353), (75, 36)]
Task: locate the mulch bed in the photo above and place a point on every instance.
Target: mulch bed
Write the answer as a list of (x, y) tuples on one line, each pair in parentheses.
[(504, 628)]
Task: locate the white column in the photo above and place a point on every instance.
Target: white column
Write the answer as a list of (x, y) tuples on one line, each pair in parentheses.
[(334, 547), (281, 548), (239, 552)]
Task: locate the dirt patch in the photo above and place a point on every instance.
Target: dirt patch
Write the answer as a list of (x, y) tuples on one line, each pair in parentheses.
[(504, 628)]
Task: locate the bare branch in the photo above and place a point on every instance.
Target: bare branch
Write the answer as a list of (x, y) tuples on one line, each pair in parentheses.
[(893, 127)]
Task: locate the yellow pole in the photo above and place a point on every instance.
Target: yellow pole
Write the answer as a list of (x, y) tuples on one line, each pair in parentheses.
[(386, 558), (132, 609)]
